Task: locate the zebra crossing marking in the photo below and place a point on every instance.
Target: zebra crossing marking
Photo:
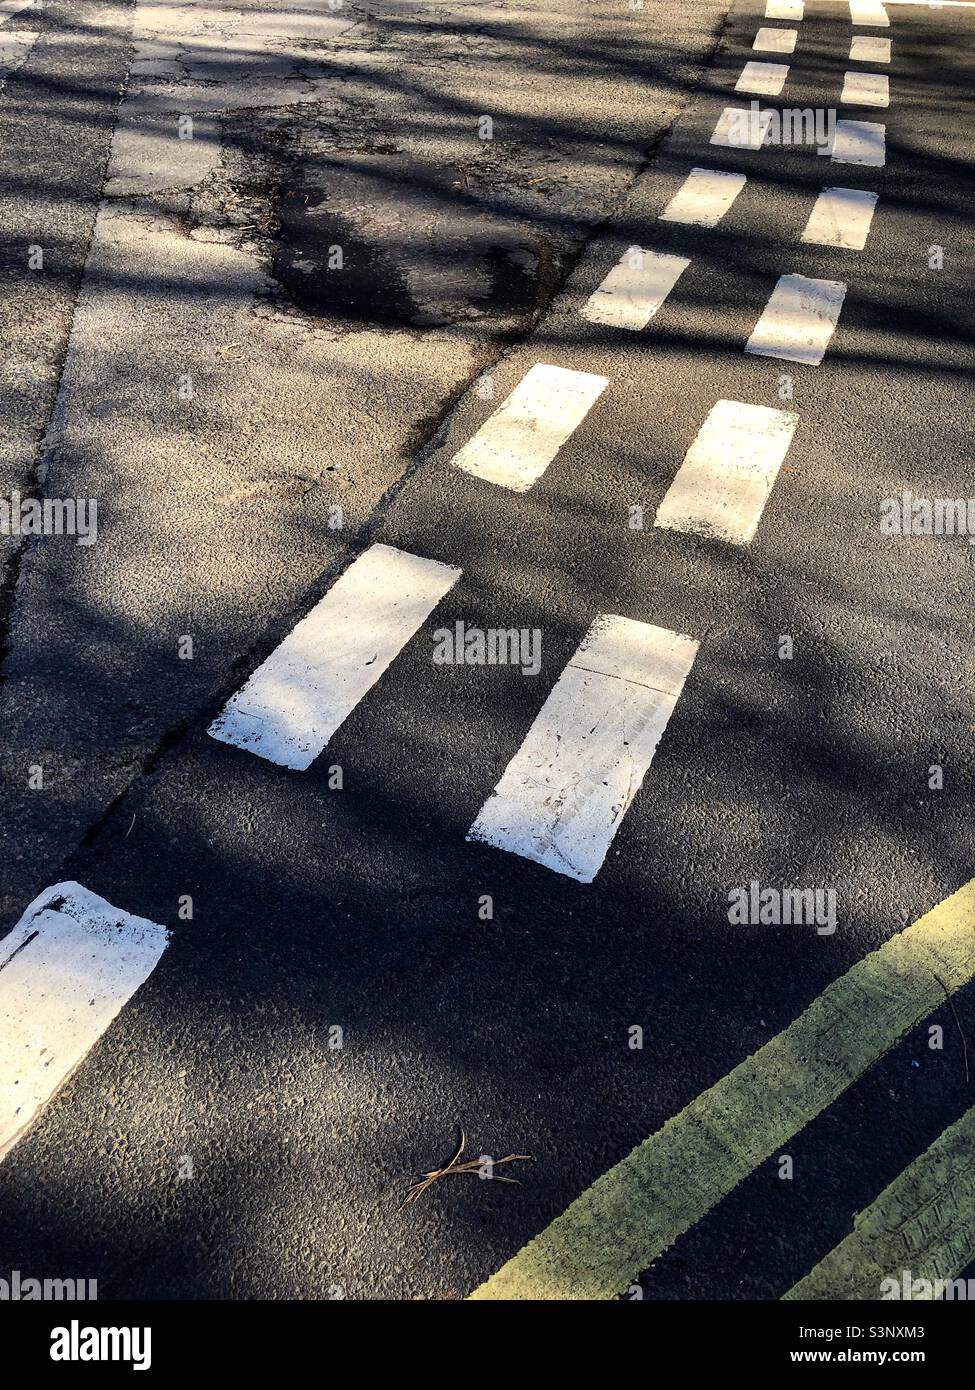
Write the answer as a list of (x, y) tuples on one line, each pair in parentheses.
[(860, 142), (784, 9), (865, 89), (864, 48), (869, 13), (775, 40), (9, 8), (741, 129), (762, 79), (703, 198)]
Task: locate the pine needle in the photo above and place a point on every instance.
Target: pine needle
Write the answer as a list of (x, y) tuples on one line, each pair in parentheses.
[(473, 1165)]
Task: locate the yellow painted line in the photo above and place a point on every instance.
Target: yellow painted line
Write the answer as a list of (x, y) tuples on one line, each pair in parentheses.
[(921, 1227), (636, 1210)]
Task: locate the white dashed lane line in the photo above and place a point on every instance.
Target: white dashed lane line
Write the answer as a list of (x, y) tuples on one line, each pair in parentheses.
[(762, 79), (799, 320), (722, 486), (565, 792), (634, 289), (739, 128), (865, 89), (703, 198), (311, 683), (515, 446), (866, 49), (66, 970), (869, 13), (775, 40), (841, 217), (9, 8), (860, 142), (784, 9), (15, 47)]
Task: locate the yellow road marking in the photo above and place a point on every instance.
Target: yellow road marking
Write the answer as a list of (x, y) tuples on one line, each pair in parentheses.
[(637, 1209), (921, 1227)]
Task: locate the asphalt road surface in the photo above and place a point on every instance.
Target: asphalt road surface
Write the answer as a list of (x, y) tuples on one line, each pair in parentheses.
[(369, 953)]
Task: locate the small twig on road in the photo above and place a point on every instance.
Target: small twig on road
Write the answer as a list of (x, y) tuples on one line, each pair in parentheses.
[(473, 1165)]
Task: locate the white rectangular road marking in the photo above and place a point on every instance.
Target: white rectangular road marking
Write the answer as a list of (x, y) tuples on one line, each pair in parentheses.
[(728, 473), (15, 47), (515, 446), (784, 9), (841, 217), (869, 13), (703, 198), (634, 289), (865, 89), (776, 40), (859, 142), (8, 8), (799, 320), (311, 683), (564, 794), (66, 970), (739, 128), (865, 49), (763, 79)]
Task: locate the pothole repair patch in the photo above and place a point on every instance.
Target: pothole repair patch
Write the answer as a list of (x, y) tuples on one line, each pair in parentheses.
[(382, 238)]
